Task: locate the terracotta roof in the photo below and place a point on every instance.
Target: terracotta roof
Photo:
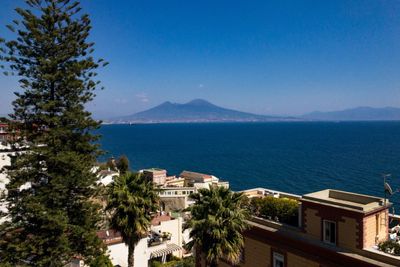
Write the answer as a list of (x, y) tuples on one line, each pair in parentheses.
[(110, 236), (160, 218), (195, 175)]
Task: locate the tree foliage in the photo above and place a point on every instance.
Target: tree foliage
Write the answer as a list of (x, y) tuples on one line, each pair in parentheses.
[(217, 221), (390, 247), (283, 209), (123, 164), (176, 262), (132, 200), (52, 219)]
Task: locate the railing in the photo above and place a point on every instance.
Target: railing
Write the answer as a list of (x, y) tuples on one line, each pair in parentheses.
[(155, 239)]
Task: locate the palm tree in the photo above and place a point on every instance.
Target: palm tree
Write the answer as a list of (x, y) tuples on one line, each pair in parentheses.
[(217, 221), (132, 199)]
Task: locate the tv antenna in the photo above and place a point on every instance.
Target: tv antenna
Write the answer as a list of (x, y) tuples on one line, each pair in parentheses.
[(387, 188)]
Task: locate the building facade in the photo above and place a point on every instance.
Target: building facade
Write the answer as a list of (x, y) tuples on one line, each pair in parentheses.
[(335, 228), (165, 239)]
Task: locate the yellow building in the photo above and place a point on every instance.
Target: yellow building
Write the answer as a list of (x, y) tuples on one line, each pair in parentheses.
[(335, 228)]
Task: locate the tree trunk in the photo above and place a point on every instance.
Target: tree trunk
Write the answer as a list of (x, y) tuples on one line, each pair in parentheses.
[(197, 255), (131, 253)]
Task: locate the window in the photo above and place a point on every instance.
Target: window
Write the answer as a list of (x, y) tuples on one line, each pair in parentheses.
[(377, 224), (278, 260), (329, 231)]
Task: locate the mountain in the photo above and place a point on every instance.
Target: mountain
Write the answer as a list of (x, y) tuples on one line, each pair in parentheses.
[(357, 114), (197, 110)]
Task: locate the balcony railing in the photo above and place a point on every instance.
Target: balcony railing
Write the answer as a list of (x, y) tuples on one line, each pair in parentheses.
[(155, 239)]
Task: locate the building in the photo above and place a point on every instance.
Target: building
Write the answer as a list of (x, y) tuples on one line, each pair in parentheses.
[(165, 239), (173, 181), (6, 153), (105, 177), (158, 176), (175, 198), (174, 191), (187, 179), (201, 180), (262, 192), (5, 160), (4, 134), (335, 228)]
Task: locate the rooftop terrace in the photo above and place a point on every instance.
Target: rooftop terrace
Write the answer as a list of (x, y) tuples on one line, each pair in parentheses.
[(347, 200), (155, 170)]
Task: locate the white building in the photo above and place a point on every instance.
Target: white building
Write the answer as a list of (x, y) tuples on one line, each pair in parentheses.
[(6, 153), (165, 238), (201, 180), (105, 176), (5, 160), (175, 191)]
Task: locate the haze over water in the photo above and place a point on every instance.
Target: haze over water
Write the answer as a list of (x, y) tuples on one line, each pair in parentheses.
[(296, 157)]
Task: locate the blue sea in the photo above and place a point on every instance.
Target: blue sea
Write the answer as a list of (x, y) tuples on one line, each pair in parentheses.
[(296, 157)]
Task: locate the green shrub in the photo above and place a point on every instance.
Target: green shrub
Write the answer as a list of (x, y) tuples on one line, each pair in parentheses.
[(286, 210), (390, 247), (176, 262), (103, 261)]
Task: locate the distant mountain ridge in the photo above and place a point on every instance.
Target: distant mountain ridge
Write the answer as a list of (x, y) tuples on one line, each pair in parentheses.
[(197, 110), (356, 114)]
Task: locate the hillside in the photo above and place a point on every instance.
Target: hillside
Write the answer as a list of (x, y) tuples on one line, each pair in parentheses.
[(357, 114)]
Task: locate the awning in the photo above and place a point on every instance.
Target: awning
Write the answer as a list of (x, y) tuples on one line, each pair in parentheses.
[(165, 251)]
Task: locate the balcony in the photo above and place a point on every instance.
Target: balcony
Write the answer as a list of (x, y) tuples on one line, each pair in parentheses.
[(155, 239)]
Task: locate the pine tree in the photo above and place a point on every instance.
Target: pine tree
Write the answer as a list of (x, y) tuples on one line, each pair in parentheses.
[(53, 219)]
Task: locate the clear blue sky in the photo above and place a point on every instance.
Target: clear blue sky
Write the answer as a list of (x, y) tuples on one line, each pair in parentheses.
[(267, 57)]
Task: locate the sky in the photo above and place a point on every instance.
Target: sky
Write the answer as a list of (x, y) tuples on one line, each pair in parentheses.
[(268, 57)]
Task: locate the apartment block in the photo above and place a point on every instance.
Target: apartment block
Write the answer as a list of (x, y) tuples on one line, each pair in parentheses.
[(335, 228)]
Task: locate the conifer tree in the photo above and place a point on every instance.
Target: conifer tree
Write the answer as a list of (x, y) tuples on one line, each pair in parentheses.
[(51, 219)]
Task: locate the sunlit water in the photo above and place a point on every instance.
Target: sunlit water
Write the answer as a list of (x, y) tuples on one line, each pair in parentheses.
[(296, 157)]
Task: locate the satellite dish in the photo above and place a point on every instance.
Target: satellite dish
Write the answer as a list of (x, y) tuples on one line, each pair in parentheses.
[(388, 189)]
